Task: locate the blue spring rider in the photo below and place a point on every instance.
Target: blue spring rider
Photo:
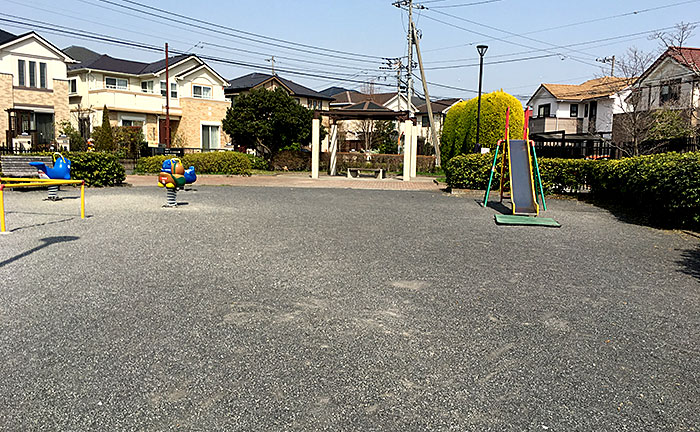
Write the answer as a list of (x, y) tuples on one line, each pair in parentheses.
[(59, 171)]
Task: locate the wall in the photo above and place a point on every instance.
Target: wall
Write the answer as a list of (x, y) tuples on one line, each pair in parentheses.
[(197, 111), (31, 49), (5, 103)]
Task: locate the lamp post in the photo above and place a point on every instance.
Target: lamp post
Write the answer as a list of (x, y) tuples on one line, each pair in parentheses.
[(482, 50)]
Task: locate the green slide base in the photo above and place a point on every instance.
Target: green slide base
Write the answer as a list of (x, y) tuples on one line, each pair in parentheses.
[(525, 220)]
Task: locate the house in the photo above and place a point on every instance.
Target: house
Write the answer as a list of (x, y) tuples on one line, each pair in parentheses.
[(440, 108), (311, 99), (33, 90), (672, 81), (135, 94), (583, 109)]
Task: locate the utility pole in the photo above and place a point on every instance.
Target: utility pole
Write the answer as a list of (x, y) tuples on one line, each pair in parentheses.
[(413, 39), (272, 63), (167, 99), (610, 60)]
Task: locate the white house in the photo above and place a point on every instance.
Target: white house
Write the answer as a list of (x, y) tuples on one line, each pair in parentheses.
[(586, 108)]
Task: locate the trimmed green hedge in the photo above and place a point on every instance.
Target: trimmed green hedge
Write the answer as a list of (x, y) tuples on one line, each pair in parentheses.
[(664, 187), (96, 168), (231, 163)]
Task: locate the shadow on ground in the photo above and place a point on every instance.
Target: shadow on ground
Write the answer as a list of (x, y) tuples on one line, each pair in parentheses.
[(45, 243), (690, 262)]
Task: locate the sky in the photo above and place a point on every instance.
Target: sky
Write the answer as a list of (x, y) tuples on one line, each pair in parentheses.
[(323, 43)]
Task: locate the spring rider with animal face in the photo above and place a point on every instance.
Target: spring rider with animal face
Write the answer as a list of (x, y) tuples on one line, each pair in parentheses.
[(59, 171), (174, 176)]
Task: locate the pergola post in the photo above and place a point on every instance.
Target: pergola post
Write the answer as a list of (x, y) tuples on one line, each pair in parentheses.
[(315, 144), (414, 147), (334, 148), (407, 149)]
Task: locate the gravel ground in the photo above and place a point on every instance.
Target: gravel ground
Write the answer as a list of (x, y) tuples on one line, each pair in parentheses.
[(326, 309)]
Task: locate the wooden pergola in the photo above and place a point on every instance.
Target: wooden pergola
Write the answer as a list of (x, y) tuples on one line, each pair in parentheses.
[(410, 148)]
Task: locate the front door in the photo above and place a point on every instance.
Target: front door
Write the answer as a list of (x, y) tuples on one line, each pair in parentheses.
[(163, 131), (44, 128)]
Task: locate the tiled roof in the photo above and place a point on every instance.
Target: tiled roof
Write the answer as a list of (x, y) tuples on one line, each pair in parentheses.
[(247, 82), (106, 63), (352, 96), (6, 37), (332, 91), (686, 56), (367, 106), (83, 55), (438, 105), (591, 89)]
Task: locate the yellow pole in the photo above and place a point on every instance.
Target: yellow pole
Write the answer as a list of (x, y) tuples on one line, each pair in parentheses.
[(82, 200), (2, 208)]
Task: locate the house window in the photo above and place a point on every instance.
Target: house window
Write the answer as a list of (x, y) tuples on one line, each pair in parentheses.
[(573, 110), (32, 74), (116, 83), (210, 137), (585, 110), (21, 71), (72, 86), (42, 75), (425, 121), (132, 123), (173, 89), (543, 110), (147, 86), (201, 92), (670, 91)]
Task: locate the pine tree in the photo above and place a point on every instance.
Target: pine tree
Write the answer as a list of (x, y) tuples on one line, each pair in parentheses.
[(103, 135)]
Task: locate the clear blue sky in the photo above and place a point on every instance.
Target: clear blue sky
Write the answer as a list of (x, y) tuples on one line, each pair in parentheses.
[(370, 29)]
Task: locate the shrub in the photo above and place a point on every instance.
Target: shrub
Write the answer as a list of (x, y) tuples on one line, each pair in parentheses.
[(77, 143), (103, 135), (129, 141), (665, 188), (231, 163), (461, 121), (97, 169), (258, 163), (290, 160)]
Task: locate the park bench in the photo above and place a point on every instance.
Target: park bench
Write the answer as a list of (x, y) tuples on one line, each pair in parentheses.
[(377, 172), (18, 166)]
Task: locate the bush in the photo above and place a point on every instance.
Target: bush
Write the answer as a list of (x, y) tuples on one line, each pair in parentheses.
[(258, 163), (290, 160), (389, 162), (461, 121), (231, 163), (97, 169), (665, 188)]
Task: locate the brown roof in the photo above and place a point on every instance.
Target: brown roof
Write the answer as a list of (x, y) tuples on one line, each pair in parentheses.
[(438, 105), (591, 89), (686, 56)]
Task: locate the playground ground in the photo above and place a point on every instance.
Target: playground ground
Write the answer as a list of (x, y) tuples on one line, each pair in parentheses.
[(290, 308)]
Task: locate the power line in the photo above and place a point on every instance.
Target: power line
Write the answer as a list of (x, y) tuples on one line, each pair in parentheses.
[(465, 4), (231, 29)]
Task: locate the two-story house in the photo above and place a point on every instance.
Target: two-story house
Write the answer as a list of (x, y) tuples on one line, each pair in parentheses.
[(672, 81), (305, 96), (33, 90), (440, 108), (135, 95), (586, 108)]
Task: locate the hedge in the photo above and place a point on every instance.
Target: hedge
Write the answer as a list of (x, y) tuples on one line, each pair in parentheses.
[(389, 162), (96, 168), (228, 162), (665, 187)]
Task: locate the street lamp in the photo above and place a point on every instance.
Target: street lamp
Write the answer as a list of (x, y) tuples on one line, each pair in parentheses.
[(482, 50)]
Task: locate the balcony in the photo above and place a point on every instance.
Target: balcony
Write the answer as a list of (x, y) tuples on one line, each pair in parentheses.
[(570, 125), (140, 102)]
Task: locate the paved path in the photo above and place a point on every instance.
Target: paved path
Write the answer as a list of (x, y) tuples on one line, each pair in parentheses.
[(298, 309), (299, 180)]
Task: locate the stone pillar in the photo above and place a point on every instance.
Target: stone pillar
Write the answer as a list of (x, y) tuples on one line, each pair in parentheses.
[(414, 147), (334, 148), (407, 144), (315, 146)]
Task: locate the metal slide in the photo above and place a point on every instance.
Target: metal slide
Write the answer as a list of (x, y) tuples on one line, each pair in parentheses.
[(522, 188)]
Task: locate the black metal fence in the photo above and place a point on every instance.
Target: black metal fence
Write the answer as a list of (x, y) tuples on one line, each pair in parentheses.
[(594, 149)]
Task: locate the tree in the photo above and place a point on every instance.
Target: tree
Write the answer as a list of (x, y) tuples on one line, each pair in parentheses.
[(77, 143), (639, 127), (459, 130), (270, 121), (103, 135), (385, 137)]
